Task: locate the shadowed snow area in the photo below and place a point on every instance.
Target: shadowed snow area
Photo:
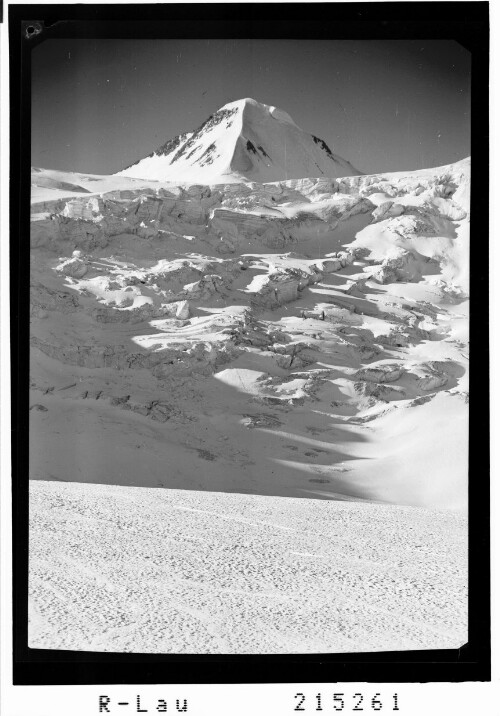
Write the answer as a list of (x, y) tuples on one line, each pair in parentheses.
[(187, 572), (202, 352)]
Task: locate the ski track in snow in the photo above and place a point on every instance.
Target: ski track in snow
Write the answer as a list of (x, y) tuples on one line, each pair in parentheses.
[(145, 570)]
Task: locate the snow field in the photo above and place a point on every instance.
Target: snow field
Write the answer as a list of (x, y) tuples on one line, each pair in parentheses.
[(174, 571)]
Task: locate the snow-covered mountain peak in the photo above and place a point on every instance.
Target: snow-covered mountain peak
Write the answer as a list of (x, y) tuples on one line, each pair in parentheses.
[(253, 111), (243, 140), (282, 116)]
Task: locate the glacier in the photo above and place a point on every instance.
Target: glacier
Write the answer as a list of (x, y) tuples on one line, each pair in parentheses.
[(249, 399)]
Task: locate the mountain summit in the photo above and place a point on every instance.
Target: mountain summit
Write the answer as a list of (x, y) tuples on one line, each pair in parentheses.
[(242, 141)]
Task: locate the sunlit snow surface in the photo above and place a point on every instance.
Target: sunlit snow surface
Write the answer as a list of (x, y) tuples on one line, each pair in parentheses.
[(174, 571)]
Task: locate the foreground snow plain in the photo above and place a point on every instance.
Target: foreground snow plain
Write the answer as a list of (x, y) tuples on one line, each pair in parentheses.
[(298, 339), (138, 569)]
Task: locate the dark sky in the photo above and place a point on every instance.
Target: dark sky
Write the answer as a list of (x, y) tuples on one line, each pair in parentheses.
[(99, 105)]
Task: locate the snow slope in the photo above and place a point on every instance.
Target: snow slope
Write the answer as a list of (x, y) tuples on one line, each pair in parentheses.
[(171, 571), (243, 140)]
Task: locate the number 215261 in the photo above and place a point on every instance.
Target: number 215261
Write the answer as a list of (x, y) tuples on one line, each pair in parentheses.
[(346, 702)]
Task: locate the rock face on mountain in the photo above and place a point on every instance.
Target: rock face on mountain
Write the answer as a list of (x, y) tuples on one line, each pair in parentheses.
[(244, 140)]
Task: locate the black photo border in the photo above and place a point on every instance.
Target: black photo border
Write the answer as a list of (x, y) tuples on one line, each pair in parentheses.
[(464, 22)]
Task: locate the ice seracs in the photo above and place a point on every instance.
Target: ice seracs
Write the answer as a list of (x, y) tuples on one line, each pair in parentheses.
[(243, 140), (345, 296)]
